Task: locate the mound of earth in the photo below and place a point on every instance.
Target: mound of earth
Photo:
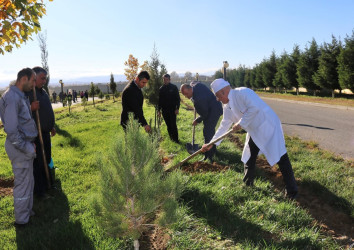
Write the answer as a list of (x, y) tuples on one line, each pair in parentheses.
[(200, 167), (6, 187)]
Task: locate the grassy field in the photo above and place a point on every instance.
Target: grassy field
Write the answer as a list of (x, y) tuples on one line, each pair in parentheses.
[(217, 210)]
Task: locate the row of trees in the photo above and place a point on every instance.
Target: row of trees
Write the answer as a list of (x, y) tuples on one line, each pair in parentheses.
[(328, 66)]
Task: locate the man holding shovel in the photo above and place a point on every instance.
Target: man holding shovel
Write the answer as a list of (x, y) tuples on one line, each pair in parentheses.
[(47, 119), (246, 110), (208, 108), (21, 131)]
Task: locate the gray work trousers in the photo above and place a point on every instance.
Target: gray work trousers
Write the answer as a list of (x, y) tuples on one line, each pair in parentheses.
[(23, 190)]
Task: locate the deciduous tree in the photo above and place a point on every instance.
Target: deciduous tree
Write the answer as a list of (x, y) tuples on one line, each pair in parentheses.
[(19, 20), (132, 68)]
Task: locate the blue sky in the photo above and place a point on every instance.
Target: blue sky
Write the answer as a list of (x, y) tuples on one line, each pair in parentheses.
[(94, 38)]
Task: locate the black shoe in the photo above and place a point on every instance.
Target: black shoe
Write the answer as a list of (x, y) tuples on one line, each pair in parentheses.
[(18, 225), (291, 195)]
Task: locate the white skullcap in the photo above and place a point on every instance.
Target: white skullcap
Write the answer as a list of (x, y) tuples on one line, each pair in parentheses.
[(218, 84)]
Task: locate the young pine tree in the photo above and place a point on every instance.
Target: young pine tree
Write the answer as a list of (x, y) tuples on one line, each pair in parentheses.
[(135, 193)]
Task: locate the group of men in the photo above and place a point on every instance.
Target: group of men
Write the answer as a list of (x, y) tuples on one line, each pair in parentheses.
[(241, 108), (19, 107)]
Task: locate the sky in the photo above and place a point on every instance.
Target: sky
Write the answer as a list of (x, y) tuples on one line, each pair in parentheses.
[(87, 38)]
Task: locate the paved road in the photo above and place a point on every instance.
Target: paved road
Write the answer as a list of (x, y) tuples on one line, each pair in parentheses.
[(331, 127)]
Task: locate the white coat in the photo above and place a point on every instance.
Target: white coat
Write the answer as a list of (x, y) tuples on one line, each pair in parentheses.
[(258, 119)]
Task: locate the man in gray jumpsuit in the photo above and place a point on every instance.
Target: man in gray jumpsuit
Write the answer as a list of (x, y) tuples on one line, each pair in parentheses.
[(21, 130)]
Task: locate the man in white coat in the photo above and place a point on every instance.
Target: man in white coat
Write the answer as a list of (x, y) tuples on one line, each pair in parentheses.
[(245, 109)]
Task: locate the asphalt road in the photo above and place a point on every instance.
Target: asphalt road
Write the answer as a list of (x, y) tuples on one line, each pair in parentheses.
[(331, 127)]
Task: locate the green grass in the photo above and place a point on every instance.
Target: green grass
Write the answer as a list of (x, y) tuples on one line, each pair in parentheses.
[(217, 210)]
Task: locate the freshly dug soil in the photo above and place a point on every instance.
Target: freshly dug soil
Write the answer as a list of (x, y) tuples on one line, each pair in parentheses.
[(202, 167), (6, 187)]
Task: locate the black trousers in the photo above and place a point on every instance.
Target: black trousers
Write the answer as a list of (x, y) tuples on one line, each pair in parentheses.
[(40, 179), (284, 166), (170, 119)]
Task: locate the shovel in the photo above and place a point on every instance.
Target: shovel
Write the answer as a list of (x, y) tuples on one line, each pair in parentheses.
[(199, 151), (192, 148)]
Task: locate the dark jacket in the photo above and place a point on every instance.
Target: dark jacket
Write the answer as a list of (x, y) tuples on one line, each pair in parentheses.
[(46, 113), (132, 101), (205, 103), (169, 99)]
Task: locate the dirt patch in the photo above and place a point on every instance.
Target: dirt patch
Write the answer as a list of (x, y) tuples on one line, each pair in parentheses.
[(6, 187), (335, 223), (202, 167), (338, 225), (155, 238)]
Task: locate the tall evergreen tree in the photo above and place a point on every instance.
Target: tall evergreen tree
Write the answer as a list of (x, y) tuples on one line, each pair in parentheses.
[(327, 73), (258, 82), (247, 79), (281, 72), (307, 67), (113, 86), (156, 71), (346, 64), (290, 64), (269, 70)]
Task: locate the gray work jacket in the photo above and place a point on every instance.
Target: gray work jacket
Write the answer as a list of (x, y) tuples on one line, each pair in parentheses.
[(21, 130)]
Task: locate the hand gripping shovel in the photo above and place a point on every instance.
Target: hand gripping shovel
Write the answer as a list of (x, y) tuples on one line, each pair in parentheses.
[(199, 151), (192, 148)]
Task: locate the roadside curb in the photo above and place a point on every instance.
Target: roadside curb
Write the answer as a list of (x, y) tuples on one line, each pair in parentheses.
[(311, 103)]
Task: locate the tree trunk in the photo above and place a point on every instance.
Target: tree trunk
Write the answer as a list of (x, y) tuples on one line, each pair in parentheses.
[(297, 91), (333, 94)]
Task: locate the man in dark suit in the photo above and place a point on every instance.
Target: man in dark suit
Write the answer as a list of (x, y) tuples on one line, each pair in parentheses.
[(133, 99), (208, 108), (169, 102)]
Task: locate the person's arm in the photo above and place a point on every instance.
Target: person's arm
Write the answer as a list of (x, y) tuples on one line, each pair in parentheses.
[(223, 128), (201, 106), (11, 129)]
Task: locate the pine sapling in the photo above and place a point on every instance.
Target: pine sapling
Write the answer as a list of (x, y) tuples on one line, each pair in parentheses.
[(134, 191)]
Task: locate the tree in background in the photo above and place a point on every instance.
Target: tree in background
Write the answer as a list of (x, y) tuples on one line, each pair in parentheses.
[(132, 68), (248, 78), (290, 64), (145, 66), (94, 90), (134, 191), (218, 74), (156, 71), (327, 74), (19, 20), (113, 86), (269, 69), (258, 82), (278, 80), (346, 64), (42, 39), (174, 76), (307, 67), (188, 76)]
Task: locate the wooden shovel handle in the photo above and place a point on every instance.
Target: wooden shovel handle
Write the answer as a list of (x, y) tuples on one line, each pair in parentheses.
[(199, 151)]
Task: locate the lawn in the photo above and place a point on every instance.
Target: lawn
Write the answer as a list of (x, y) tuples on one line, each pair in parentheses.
[(217, 211)]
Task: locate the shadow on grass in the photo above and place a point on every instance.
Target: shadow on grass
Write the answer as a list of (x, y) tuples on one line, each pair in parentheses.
[(51, 228), (232, 227), (73, 141)]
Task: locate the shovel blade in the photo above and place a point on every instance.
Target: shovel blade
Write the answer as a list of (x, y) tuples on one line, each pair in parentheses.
[(191, 149)]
